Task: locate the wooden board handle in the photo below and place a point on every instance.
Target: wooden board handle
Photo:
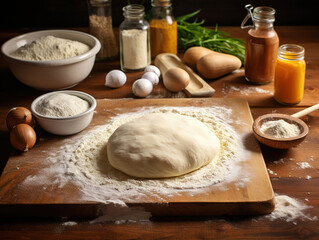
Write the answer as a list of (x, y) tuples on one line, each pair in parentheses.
[(306, 111), (197, 86)]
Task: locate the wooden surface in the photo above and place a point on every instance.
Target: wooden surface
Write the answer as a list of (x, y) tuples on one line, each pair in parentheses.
[(254, 197), (287, 177)]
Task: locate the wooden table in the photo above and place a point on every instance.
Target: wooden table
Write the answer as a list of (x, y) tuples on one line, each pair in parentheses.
[(286, 175)]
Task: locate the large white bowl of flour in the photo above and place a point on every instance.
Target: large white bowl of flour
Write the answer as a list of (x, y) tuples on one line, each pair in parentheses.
[(69, 68)]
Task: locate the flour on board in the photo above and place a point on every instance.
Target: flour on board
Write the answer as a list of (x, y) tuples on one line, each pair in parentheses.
[(82, 160)]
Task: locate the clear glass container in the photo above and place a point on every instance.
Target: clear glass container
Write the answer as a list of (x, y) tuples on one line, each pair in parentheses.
[(163, 28), (290, 74), (261, 45), (100, 20), (134, 39)]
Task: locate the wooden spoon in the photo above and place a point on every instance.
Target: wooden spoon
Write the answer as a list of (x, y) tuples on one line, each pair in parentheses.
[(283, 143)]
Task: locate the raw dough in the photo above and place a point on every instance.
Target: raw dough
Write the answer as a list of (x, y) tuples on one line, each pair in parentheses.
[(161, 145)]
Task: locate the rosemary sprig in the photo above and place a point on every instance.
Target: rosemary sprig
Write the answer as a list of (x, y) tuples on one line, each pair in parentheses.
[(194, 34)]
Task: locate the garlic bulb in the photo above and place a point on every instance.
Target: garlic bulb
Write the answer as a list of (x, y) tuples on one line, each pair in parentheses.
[(142, 87), (22, 137), (154, 69), (18, 115), (152, 77), (115, 79)]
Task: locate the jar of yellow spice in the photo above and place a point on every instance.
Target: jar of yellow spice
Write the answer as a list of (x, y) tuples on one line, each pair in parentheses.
[(163, 28)]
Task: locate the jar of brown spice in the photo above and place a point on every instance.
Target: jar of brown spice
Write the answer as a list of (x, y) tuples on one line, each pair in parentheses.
[(100, 20)]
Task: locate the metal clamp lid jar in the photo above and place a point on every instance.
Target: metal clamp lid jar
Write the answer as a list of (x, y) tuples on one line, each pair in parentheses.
[(261, 45)]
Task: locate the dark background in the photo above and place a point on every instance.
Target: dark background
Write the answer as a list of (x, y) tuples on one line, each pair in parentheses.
[(19, 14)]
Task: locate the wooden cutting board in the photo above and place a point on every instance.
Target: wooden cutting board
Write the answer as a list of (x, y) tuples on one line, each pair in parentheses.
[(256, 197)]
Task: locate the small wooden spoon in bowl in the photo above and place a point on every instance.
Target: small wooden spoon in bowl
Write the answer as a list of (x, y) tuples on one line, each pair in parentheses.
[(283, 143)]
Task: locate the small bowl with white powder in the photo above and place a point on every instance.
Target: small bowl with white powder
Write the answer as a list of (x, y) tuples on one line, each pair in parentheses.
[(51, 59), (280, 130), (64, 112)]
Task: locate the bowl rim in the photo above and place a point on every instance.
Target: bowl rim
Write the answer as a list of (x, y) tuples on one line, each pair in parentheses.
[(58, 62), (92, 102)]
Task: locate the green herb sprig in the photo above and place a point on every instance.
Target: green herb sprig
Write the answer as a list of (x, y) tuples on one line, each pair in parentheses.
[(194, 34)]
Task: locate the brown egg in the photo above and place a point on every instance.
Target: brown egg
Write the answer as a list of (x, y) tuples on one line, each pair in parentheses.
[(193, 54), (176, 79)]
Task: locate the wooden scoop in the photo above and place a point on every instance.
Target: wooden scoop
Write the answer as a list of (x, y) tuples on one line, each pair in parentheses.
[(197, 86), (283, 143)]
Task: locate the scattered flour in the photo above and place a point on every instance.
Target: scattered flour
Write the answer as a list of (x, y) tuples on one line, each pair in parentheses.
[(281, 160), (244, 90), (304, 165), (69, 223), (271, 171), (50, 48), (117, 211), (290, 210), (308, 177), (61, 105)]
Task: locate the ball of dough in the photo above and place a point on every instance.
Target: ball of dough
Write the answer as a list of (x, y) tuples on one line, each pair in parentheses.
[(161, 145)]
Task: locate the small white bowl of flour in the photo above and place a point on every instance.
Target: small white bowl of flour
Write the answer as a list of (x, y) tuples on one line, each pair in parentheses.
[(64, 112), (51, 59)]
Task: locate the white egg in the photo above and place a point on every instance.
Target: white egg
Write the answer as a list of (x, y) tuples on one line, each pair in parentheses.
[(142, 87), (152, 77), (152, 68), (115, 79)]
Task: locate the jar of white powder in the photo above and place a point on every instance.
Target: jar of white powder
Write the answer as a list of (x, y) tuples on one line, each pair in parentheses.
[(134, 39)]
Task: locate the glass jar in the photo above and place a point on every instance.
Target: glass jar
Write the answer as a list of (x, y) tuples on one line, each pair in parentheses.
[(163, 28), (100, 20), (290, 74), (261, 45), (134, 39)]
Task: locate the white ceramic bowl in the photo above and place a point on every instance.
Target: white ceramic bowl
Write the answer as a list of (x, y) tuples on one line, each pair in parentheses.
[(51, 74), (65, 125)]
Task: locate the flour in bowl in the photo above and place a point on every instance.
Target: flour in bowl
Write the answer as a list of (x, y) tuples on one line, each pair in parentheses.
[(50, 48), (61, 105), (280, 129)]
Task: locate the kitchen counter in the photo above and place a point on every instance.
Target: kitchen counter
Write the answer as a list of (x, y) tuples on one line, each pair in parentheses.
[(286, 168)]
